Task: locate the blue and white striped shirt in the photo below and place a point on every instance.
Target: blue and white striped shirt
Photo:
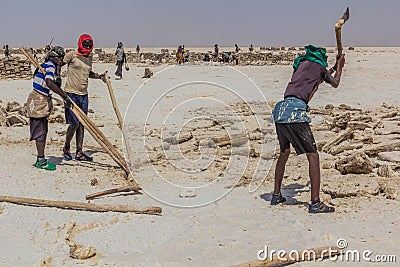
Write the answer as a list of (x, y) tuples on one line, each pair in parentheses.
[(39, 81)]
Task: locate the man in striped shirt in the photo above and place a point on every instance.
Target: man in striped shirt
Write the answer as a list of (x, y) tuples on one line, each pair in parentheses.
[(39, 104)]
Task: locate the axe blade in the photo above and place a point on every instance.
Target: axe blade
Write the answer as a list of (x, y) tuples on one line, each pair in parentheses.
[(346, 15)]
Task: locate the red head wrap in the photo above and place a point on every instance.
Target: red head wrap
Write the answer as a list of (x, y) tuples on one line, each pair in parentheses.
[(82, 51)]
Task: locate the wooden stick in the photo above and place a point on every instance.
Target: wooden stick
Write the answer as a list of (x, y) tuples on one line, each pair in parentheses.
[(304, 255), (89, 125), (114, 102), (32, 60), (101, 139), (79, 205), (338, 31), (113, 191)]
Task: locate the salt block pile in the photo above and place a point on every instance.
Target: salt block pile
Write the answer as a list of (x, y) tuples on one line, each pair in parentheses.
[(359, 149), (13, 114), (364, 149), (15, 68)]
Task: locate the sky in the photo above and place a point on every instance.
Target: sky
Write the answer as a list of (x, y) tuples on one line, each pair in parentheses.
[(198, 23)]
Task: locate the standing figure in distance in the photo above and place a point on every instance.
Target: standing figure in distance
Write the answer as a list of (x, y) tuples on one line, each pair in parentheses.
[(251, 48), (179, 55), (121, 58), (237, 49), (6, 52), (216, 52)]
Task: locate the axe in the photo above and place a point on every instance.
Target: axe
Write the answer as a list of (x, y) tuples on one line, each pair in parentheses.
[(338, 30)]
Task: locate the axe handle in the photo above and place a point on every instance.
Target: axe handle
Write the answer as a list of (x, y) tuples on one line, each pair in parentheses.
[(338, 31)]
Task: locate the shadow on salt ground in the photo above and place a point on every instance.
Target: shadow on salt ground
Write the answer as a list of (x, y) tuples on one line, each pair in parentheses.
[(86, 164), (127, 194), (55, 160), (289, 192)]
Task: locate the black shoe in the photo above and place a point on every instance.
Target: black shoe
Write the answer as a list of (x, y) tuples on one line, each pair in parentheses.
[(277, 198), (67, 153), (80, 156), (319, 207)]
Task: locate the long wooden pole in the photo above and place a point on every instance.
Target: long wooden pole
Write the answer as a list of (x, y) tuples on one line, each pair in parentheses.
[(117, 113), (303, 255), (89, 125), (79, 205), (114, 102), (127, 188)]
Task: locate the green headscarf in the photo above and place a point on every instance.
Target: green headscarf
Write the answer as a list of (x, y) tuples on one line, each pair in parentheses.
[(314, 54)]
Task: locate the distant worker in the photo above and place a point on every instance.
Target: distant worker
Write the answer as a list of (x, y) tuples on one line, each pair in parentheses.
[(237, 49), (137, 49), (121, 59), (6, 52), (226, 57), (47, 48), (251, 49), (185, 54), (34, 53), (179, 55), (216, 52), (206, 57)]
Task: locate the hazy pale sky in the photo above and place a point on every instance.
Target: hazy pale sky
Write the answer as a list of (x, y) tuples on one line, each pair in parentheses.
[(198, 22)]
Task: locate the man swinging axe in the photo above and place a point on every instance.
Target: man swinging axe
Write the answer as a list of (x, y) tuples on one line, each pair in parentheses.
[(292, 122)]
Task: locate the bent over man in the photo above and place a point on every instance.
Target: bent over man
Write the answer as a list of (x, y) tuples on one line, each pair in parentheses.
[(292, 122)]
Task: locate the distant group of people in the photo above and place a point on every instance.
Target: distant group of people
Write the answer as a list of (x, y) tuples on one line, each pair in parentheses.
[(225, 56), (182, 55)]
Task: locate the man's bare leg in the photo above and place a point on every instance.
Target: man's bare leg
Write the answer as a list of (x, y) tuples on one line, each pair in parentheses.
[(280, 170), (316, 205), (79, 137), (71, 130), (40, 148), (315, 174)]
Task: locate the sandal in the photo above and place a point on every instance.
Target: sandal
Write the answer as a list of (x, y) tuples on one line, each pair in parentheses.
[(45, 165), (319, 207), (82, 156), (277, 198), (67, 153)]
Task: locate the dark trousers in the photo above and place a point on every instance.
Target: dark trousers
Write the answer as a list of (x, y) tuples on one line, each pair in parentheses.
[(119, 68)]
